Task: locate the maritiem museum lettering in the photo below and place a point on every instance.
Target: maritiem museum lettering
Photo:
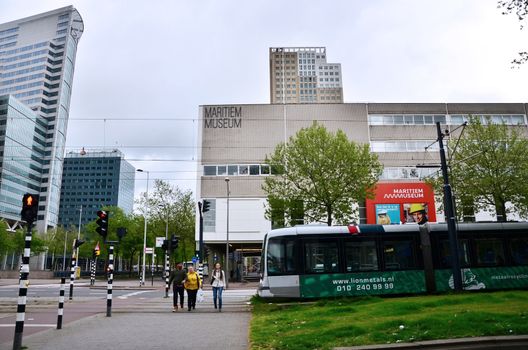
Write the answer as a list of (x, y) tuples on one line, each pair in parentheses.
[(222, 117)]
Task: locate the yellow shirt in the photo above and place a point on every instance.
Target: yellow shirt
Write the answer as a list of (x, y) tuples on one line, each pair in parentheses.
[(193, 281)]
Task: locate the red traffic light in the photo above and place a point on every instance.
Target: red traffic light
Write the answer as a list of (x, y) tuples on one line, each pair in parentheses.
[(102, 223)]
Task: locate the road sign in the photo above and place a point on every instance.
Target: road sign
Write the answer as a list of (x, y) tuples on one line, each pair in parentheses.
[(149, 250), (194, 259), (159, 241)]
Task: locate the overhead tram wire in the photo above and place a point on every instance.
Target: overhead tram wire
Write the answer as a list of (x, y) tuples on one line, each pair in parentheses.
[(148, 119)]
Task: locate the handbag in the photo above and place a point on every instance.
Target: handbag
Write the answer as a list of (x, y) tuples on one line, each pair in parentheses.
[(200, 297), (212, 280)]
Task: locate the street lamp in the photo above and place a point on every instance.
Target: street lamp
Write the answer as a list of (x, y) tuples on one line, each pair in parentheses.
[(145, 230), (227, 235), (78, 238)]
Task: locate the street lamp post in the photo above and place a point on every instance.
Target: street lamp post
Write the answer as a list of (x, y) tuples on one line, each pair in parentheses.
[(78, 238), (227, 235), (145, 230)]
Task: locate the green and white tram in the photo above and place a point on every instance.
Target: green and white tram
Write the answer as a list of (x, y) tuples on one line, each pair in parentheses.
[(328, 261)]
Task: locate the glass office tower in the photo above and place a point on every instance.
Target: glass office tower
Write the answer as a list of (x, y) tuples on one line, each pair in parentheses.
[(22, 146), (37, 60)]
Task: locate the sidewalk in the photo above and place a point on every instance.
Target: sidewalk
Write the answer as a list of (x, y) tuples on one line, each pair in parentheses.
[(182, 330)]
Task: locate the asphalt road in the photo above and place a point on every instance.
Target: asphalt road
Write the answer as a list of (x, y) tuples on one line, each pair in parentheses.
[(84, 318)]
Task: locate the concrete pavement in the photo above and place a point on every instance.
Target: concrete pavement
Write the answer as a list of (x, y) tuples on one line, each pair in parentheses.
[(182, 330), (141, 319)]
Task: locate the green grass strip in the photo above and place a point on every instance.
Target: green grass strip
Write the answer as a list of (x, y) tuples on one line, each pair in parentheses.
[(328, 323)]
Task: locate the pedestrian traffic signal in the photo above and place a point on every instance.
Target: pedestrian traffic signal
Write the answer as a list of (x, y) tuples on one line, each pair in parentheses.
[(29, 208), (173, 242), (77, 243), (205, 206), (102, 222), (165, 245)]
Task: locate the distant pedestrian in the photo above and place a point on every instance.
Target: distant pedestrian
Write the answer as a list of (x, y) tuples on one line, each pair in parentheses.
[(218, 283), (177, 277), (192, 284)]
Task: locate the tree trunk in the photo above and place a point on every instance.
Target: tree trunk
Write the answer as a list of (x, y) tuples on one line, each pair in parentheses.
[(329, 215), (500, 208)]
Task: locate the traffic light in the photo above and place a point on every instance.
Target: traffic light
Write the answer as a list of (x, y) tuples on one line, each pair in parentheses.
[(173, 242), (77, 243), (121, 232), (205, 206), (96, 251), (165, 245), (102, 222), (29, 208)]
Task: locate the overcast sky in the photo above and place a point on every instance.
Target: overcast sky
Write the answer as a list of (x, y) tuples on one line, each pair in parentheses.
[(146, 66)]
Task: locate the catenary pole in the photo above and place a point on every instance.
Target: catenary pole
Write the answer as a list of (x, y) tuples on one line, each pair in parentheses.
[(450, 214)]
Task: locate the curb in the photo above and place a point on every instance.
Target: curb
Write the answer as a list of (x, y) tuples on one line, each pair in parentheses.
[(516, 342)]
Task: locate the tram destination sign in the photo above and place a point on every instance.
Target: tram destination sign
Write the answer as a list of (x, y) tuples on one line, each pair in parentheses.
[(222, 117)]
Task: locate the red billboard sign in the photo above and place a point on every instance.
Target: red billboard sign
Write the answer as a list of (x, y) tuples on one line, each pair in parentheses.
[(400, 203)]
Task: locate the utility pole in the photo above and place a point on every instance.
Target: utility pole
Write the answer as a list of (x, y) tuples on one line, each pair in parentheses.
[(450, 214)]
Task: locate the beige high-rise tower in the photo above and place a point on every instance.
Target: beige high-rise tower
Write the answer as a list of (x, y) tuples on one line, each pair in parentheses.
[(302, 75)]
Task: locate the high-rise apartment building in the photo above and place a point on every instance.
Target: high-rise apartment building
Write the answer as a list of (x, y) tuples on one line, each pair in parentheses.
[(37, 60), (302, 75), (92, 180)]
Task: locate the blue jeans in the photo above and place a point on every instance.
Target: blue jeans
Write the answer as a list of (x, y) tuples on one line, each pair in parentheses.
[(217, 292)]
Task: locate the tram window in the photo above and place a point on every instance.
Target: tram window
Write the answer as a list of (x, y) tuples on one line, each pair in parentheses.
[(519, 251), (463, 253), (361, 256), (281, 257), (489, 252), (398, 255), (321, 257)]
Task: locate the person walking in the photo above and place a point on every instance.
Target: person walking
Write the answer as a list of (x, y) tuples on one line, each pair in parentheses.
[(177, 277), (218, 283), (192, 284)]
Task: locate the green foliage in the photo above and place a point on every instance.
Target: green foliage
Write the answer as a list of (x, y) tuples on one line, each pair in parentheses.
[(170, 210), (361, 321), (489, 168), (320, 174), (38, 244)]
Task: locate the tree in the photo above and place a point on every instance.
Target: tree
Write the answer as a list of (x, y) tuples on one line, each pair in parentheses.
[(520, 8), (489, 168), (173, 210), (130, 245), (321, 174)]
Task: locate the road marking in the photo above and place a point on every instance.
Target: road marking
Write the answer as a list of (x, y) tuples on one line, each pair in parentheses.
[(30, 325), (125, 296)]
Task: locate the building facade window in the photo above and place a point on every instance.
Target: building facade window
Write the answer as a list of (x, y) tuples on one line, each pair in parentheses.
[(455, 119)]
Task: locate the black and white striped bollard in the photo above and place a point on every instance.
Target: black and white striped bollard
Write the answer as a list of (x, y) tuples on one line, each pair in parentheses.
[(22, 291), (110, 280), (92, 272), (60, 313), (167, 272), (200, 271), (72, 274)]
